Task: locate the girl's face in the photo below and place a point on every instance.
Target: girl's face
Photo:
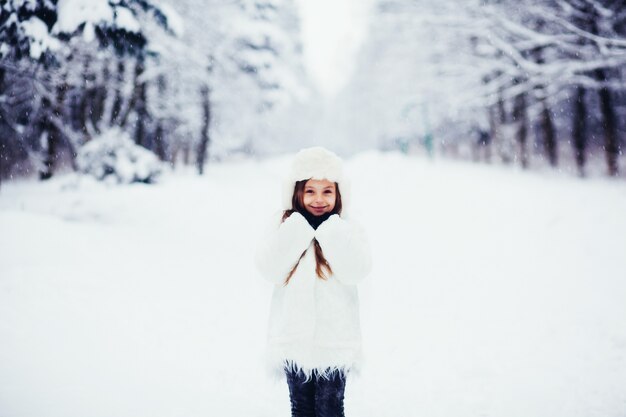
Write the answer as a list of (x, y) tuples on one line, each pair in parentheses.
[(319, 196)]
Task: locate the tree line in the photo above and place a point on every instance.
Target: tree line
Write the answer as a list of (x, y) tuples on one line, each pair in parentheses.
[(551, 63), (517, 80), (70, 71)]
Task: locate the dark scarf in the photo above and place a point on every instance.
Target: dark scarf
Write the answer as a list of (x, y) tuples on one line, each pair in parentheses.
[(313, 220)]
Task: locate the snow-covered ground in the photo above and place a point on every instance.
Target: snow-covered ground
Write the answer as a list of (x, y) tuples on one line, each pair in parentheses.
[(494, 293)]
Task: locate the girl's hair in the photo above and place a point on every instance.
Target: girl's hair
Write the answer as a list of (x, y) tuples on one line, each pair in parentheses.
[(297, 202)]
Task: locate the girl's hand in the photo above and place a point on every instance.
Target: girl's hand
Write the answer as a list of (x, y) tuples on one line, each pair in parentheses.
[(346, 248), (281, 247), (332, 226)]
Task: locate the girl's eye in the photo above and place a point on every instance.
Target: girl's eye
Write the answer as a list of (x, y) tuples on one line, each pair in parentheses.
[(328, 192), (309, 191)]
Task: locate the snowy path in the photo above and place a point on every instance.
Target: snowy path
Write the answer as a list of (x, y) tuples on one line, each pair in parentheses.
[(494, 293)]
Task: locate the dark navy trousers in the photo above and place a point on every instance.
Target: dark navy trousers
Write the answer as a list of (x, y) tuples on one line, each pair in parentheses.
[(318, 397)]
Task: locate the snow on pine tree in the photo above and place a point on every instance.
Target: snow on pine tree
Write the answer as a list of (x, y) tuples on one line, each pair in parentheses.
[(109, 51), (263, 66), (225, 81), (238, 68), (180, 81), (25, 29), (267, 48), (24, 39), (56, 104)]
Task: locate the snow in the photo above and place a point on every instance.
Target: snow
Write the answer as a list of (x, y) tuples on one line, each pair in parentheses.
[(125, 19), (89, 32), (494, 293), (174, 20), (91, 13), (73, 13), (113, 156), (41, 40)]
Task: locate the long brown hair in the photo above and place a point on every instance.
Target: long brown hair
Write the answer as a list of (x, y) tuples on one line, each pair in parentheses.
[(322, 267)]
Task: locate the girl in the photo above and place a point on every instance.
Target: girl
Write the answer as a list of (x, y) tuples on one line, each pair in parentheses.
[(315, 256)]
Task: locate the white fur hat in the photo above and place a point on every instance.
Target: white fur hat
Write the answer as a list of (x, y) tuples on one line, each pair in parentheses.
[(320, 164)]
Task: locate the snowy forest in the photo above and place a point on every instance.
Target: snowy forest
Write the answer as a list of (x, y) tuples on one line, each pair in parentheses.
[(144, 147), (531, 82)]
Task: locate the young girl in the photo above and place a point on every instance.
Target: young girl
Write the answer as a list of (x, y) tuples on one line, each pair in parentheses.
[(315, 255)]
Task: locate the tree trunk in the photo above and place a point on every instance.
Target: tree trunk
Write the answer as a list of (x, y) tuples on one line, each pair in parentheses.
[(137, 92), (579, 130), (487, 138), (50, 144), (159, 140), (100, 97), (117, 102), (84, 107), (493, 132), (52, 118), (519, 115), (607, 111), (206, 122), (186, 152), (545, 117), (2, 142), (142, 115), (159, 146), (609, 125), (502, 147), (549, 137), (61, 92)]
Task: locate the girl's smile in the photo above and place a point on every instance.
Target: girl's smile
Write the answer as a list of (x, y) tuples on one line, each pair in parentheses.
[(319, 196)]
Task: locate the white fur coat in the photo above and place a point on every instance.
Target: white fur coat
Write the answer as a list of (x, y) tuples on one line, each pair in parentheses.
[(314, 323)]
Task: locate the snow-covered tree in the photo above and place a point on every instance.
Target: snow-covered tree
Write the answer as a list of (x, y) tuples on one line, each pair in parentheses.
[(550, 48), (57, 78), (259, 74), (494, 75), (180, 78), (25, 29), (113, 156)]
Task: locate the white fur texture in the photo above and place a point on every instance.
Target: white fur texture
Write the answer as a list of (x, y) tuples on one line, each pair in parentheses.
[(314, 324), (316, 163)]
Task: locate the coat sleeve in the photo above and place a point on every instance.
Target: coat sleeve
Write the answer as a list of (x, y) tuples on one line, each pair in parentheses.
[(281, 247), (346, 248)]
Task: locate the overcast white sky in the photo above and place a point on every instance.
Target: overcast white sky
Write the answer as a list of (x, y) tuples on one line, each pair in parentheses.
[(332, 33)]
